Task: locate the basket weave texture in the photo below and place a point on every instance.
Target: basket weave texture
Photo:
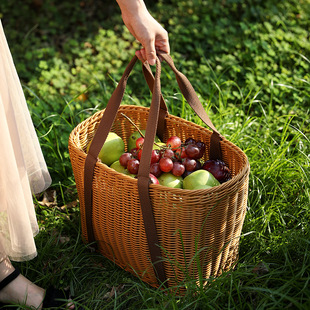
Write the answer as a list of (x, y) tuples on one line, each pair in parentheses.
[(198, 230)]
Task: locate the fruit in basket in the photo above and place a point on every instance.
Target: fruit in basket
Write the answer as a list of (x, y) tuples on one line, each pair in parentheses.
[(120, 168), (178, 169), (139, 142), (170, 180), (202, 148), (165, 164), (124, 158), (174, 142), (133, 165), (158, 145), (200, 178), (193, 151), (153, 179), (131, 142), (174, 161), (155, 155), (155, 170), (218, 168), (112, 149), (190, 164)]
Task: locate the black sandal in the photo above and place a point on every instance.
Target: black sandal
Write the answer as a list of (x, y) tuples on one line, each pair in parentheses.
[(54, 298)]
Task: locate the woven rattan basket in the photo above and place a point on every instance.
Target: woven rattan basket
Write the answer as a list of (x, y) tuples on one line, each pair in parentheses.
[(197, 230)]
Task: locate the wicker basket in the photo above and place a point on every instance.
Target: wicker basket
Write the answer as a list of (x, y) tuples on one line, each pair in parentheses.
[(198, 230)]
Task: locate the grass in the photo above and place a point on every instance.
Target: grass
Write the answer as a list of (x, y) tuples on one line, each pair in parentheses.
[(266, 117), (273, 267)]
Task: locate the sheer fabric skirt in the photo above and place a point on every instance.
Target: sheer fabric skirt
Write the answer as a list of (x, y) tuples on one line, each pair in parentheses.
[(23, 170)]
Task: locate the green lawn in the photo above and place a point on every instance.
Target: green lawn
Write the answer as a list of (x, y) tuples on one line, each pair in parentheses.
[(249, 62)]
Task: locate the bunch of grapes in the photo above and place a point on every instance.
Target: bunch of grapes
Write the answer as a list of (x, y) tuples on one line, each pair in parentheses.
[(175, 157)]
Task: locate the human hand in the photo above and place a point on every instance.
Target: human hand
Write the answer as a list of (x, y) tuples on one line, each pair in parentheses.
[(145, 29)]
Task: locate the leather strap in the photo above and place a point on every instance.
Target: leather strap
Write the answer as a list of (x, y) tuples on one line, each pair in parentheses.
[(163, 112), (193, 100), (7, 280), (97, 143), (144, 180)]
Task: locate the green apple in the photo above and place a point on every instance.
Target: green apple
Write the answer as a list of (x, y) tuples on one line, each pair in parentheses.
[(119, 168), (200, 179), (170, 180), (112, 149), (203, 186), (129, 174), (131, 143)]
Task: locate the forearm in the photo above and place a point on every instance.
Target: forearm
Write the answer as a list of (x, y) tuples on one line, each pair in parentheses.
[(131, 6)]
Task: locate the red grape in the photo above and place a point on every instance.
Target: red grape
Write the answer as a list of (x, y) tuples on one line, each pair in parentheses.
[(133, 165), (139, 154), (192, 151), (134, 152), (155, 170), (202, 148), (180, 153), (178, 169), (166, 164), (153, 179), (219, 169), (155, 156), (190, 141), (139, 142), (168, 153), (174, 142), (189, 164), (198, 165), (124, 158)]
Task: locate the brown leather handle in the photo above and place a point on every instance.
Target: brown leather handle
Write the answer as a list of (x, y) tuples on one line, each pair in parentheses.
[(97, 143), (144, 180), (143, 175), (163, 112), (193, 100)]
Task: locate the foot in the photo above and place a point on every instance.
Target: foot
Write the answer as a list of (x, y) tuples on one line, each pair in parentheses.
[(21, 290)]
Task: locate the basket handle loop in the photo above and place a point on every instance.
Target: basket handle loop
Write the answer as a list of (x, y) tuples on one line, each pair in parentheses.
[(144, 180), (100, 136), (193, 100), (163, 112)]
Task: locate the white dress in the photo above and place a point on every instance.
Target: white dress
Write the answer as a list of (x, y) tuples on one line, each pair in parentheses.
[(23, 170)]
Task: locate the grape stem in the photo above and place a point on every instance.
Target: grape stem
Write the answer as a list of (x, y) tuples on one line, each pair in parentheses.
[(133, 124)]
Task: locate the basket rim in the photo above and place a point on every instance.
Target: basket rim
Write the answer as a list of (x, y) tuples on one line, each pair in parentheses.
[(236, 178)]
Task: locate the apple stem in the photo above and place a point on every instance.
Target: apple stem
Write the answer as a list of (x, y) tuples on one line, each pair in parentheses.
[(133, 124)]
